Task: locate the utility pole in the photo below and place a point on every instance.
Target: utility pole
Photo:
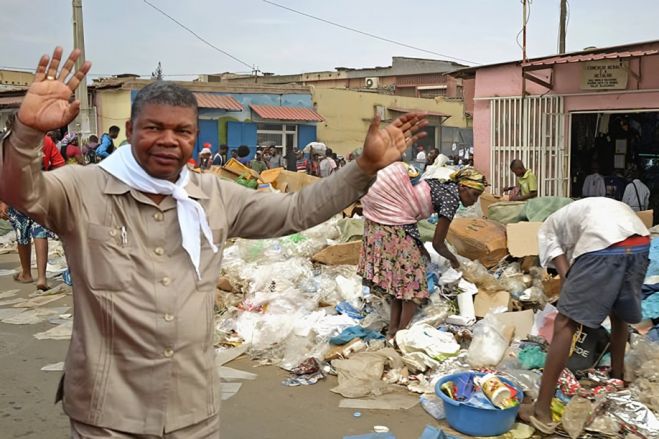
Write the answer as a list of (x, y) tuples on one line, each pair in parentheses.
[(524, 17), (82, 122), (562, 28)]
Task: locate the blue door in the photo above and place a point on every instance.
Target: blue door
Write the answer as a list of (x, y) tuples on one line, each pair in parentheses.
[(305, 135), (208, 133), (242, 133)]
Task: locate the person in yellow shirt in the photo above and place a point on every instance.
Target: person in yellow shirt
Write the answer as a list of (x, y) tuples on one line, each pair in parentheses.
[(527, 182)]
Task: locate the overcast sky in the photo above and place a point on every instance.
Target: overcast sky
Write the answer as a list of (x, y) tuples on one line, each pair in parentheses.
[(130, 36)]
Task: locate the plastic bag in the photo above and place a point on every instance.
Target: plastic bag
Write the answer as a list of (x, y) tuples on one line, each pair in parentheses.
[(488, 345), (514, 285), (433, 314), (475, 272), (576, 416), (433, 405), (543, 324), (642, 352), (361, 374), (421, 337)]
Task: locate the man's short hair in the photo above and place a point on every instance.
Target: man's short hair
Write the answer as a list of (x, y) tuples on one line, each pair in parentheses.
[(164, 93), (517, 163), (114, 129), (93, 138)]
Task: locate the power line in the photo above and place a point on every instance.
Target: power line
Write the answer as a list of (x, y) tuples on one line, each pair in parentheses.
[(200, 38), (398, 43)]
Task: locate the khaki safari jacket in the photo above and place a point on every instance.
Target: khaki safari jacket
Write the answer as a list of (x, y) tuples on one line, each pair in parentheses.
[(141, 358)]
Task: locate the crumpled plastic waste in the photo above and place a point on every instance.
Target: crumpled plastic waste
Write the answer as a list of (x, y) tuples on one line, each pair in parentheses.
[(532, 357), (303, 380), (347, 309), (576, 416), (361, 374), (424, 338), (433, 314), (419, 362), (543, 322), (488, 344), (355, 332), (433, 405), (475, 272), (633, 415)]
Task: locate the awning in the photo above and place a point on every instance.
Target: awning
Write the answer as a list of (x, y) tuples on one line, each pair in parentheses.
[(273, 112), (410, 110), (10, 101), (587, 57), (219, 102)]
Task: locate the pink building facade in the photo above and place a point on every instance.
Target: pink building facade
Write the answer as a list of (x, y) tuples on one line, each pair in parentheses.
[(528, 110)]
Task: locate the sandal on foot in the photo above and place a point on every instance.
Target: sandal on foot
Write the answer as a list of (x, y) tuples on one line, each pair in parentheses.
[(545, 428), (22, 281)]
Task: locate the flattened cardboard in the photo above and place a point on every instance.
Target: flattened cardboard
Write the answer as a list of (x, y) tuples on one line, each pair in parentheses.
[(647, 217), (484, 302), (523, 239), (522, 321), (339, 254)]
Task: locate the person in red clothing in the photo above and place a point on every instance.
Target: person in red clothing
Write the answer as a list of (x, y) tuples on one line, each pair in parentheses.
[(52, 158), (27, 230)]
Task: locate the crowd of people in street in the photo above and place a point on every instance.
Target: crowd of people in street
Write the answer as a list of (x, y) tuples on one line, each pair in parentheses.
[(319, 163)]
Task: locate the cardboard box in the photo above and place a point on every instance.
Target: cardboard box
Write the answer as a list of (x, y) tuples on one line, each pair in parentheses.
[(551, 286), (522, 321), (293, 181), (480, 239), (339, 254), (236, 167), (523, 238), (484, 302), (647, 216)]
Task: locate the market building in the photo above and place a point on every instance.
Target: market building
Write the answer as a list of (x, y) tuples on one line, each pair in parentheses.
[(560, 114)]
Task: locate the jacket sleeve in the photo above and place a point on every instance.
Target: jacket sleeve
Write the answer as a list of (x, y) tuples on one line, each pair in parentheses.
[(257, 215), (43, 196)]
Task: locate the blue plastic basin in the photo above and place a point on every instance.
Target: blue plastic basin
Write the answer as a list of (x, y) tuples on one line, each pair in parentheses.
[(475, 421)]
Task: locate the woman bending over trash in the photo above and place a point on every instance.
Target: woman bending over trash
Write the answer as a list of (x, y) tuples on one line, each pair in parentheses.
[(393, 260)]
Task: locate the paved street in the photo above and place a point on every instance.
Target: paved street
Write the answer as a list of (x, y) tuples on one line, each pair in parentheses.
[(263, 408)]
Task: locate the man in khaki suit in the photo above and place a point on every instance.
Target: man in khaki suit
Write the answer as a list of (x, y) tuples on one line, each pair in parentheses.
[(143, 238)]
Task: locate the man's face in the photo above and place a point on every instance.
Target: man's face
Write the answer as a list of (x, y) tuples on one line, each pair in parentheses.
[(163, 139), (518, 171), (114, 134)]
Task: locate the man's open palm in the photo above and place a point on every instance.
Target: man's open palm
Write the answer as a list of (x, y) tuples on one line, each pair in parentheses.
[(47, 104), (384, 146)]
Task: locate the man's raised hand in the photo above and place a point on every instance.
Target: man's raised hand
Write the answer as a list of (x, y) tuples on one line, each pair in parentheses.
[(47, 104)]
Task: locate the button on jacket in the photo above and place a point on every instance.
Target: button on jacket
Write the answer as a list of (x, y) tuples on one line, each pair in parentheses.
[(141, 358)]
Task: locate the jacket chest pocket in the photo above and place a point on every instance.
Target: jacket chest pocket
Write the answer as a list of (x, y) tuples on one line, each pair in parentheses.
[(110, 261), (209, 265)]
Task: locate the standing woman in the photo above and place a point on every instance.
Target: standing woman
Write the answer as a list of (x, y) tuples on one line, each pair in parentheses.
[(393, 260)]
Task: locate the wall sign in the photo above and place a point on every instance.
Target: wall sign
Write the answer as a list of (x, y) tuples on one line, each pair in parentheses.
[(604, 75)]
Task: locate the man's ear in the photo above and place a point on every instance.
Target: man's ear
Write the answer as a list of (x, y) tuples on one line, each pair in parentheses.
[(129, 129)]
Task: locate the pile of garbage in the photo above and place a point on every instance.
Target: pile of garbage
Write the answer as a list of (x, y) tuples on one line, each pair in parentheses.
[(315, 319), (474, 351)]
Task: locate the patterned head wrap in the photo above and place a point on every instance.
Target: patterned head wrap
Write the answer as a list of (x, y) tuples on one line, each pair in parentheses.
[(469, 177)]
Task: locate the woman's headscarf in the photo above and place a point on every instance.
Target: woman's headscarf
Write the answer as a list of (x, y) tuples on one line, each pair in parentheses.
[(469, 177)]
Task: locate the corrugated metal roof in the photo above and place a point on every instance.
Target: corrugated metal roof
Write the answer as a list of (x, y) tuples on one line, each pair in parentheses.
[(11, 101), (221, 102), (287, 113), (429, 113), (590, 57)]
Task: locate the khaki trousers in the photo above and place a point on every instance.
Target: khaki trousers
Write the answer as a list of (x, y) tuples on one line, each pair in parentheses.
[(207, 429)]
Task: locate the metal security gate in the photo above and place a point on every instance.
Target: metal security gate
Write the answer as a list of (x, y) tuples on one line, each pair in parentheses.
[(531, 129)]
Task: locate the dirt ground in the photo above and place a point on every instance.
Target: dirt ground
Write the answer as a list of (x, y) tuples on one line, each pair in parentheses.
[(263, 408)]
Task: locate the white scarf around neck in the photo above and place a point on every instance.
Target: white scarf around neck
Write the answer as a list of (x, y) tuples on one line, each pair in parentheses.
[(191, 216)]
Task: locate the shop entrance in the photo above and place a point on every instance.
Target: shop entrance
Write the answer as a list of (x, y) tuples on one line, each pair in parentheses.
[(619, 146)]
